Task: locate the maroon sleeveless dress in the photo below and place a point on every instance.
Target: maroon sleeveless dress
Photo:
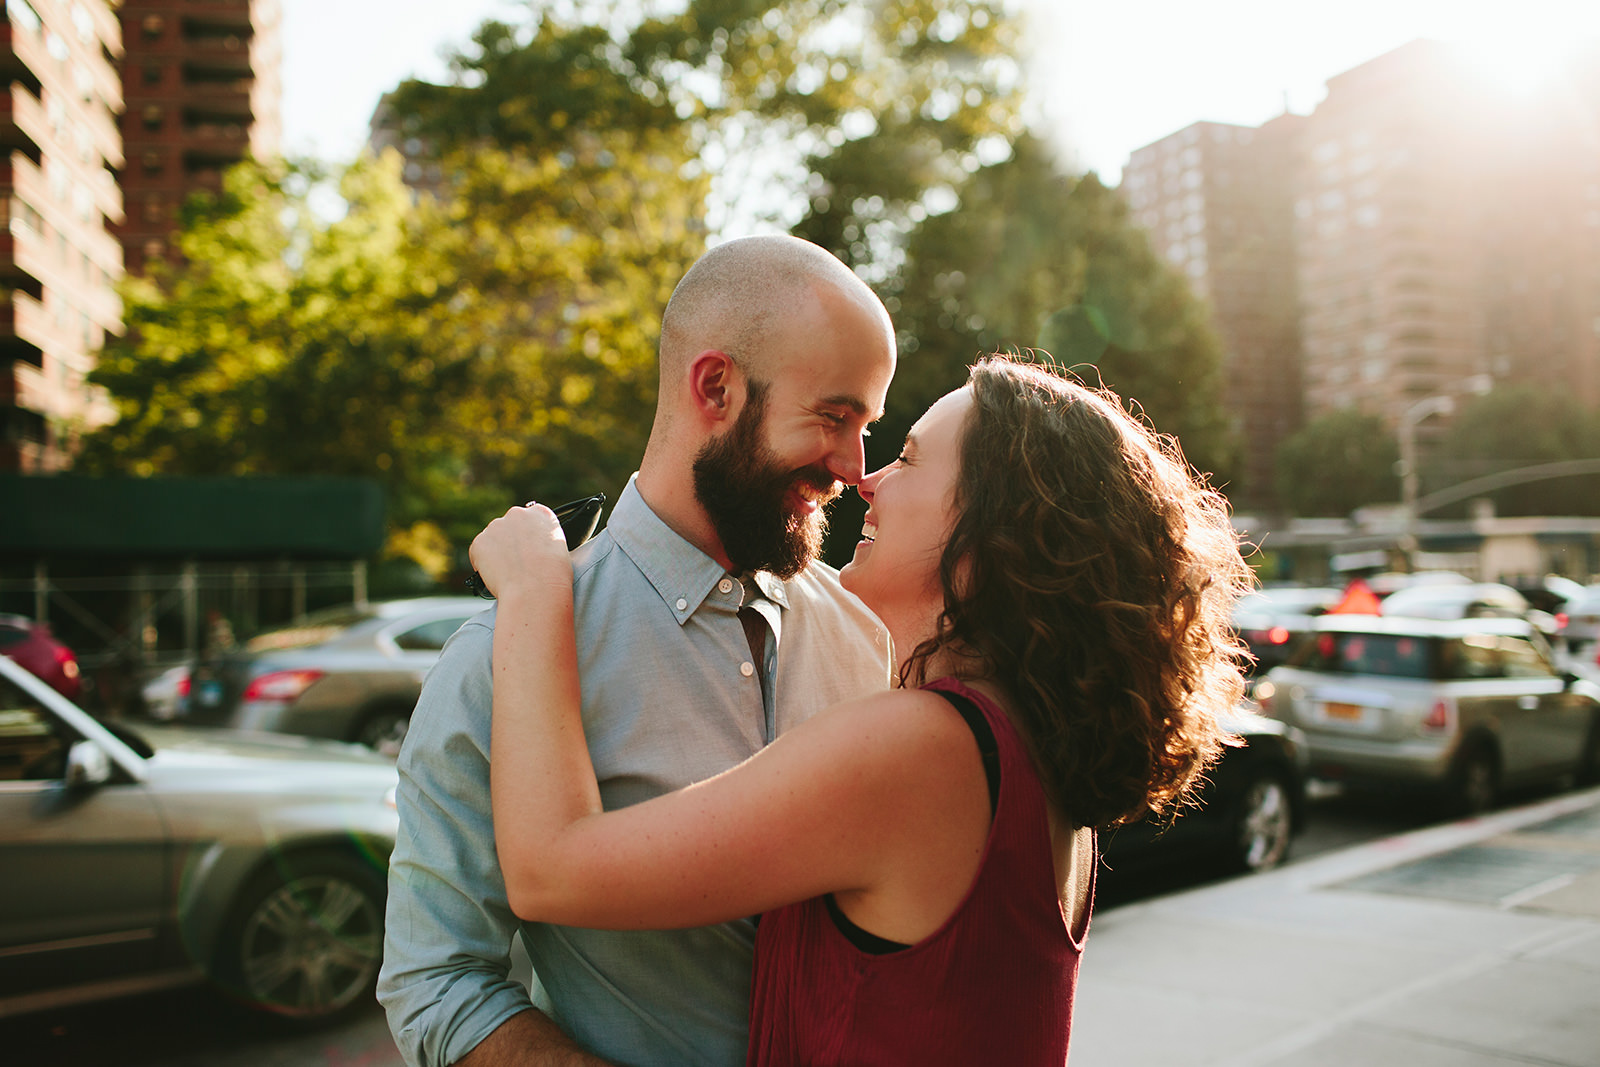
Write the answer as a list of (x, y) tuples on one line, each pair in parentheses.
[(994, 984)]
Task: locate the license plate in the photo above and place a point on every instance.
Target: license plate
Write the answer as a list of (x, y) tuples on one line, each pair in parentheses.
[(209, 694), (1343, 712)]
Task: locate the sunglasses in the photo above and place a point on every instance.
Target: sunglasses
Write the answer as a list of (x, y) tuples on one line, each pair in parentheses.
[(578, 519)]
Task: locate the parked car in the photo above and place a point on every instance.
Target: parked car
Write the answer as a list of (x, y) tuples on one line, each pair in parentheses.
[(32, 645), (1474, 600), (137, 860), (1253, 804), (1465, 707), (350, 673), (1270, 618), (1550, 593), (1581, 634)]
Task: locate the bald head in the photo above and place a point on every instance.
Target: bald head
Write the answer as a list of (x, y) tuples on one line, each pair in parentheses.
[(743, 292)]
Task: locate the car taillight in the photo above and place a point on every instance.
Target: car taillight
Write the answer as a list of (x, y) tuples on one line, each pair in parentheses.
[(1438, 717), (67, 662), (1278, 636), (1561, 620), (183, 686), (281, 686)]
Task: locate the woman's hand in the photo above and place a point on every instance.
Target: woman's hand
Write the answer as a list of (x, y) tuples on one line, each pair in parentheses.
[(522, 550)]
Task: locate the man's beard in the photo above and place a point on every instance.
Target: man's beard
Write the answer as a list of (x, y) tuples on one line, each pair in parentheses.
[(743, 487)]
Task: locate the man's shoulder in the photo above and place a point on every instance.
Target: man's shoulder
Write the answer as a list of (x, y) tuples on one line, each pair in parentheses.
[(818, 590)]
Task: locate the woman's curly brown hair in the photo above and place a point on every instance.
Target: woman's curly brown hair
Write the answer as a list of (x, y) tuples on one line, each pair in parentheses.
[(1093, 574)]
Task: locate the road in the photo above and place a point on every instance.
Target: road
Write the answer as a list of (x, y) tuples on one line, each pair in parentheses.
[(190, 1028)]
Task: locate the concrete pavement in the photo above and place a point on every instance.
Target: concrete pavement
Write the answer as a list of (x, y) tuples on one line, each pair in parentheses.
[(1472, 944)]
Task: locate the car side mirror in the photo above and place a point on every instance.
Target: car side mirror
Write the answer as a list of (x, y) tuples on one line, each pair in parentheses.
[(87, 766)]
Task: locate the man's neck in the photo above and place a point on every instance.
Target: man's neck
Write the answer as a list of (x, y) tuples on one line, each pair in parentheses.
[(673, 502)]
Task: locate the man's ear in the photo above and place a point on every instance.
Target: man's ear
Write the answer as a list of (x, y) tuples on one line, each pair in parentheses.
[(715, 385)]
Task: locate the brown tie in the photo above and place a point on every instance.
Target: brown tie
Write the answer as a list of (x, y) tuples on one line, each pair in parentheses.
[(755, 631)]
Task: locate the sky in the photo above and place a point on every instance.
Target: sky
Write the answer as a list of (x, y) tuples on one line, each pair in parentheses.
[(1109, 76)]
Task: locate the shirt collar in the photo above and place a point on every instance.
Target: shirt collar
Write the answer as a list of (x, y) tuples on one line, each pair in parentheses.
[(681, 574)]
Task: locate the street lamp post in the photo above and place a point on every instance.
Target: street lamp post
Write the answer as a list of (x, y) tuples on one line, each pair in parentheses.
[(1410, 419)]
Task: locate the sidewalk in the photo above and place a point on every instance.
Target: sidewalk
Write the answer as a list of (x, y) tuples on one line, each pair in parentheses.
[(1473, 944)]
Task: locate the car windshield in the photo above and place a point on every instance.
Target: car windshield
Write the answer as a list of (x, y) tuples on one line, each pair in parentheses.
[(1386, 655), (313, 629)]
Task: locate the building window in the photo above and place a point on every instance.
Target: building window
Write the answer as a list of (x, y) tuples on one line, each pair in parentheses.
[(153, 25), (152, 74), (151, 116), (152, 162)]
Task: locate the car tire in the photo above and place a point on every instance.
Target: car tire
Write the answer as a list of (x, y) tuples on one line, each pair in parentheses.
[(1263, 821), (1475, 781), (384, 730), (305, 939)]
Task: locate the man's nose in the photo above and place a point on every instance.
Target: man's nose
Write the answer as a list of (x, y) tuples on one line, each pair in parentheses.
[(849, 462)]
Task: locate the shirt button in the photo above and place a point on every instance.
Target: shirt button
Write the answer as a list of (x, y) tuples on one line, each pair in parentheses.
[(747, 669), (682, 604), (725, 586)]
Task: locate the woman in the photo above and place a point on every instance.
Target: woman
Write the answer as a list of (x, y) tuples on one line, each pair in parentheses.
[(1059, 586)]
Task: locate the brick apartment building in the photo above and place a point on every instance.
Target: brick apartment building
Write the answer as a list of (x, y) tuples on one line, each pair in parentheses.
[(1437, 229), (195, 84), (1217, 203), (61, 199), (201, 79)]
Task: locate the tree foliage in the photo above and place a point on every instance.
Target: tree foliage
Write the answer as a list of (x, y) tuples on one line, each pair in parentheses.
[(835, 118), (1515, 427), (1337, 463), (1035, 259), (467, 353)]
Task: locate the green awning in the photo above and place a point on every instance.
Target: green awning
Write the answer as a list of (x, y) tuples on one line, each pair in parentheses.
[(190, 518)]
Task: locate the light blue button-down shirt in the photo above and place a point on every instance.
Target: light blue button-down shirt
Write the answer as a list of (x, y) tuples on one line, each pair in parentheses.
[(669, 698)]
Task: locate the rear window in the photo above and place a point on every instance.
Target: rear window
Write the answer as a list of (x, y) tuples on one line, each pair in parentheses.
[(1386, 655), (313, 629)]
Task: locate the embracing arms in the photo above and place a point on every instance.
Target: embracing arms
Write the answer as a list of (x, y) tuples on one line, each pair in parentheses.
[(865, 800)]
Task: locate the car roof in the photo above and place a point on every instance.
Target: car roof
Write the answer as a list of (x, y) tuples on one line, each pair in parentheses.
[(1488, 592), (393, 609), (1410, 626)]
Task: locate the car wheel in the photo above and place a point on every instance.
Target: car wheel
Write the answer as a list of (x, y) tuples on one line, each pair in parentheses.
[(1475, 784), (306, 939), (384, 730), (1263, 822)]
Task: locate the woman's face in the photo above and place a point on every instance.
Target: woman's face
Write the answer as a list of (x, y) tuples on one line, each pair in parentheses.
[(911, 509)]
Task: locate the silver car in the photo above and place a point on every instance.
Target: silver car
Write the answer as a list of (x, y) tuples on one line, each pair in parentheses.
[(350, 673), (137, 860), (1467, 706)]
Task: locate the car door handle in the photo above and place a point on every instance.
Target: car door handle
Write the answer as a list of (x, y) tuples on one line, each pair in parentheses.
[(1527, 702)]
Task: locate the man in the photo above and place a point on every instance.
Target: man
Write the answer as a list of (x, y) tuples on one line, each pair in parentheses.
[(705, 627)]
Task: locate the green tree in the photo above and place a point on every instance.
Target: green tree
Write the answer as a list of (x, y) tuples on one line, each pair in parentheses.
[(1337, 463), (836, 118), (470, 352), (283, 345), (1520, 426), (1036, 259)]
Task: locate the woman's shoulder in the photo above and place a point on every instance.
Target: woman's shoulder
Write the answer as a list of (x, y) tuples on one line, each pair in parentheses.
[(910, 731)]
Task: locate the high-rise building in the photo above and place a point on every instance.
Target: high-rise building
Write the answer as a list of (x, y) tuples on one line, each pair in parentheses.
[(1217, 201), (1447, 230), (202, 83), (58, 255)]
